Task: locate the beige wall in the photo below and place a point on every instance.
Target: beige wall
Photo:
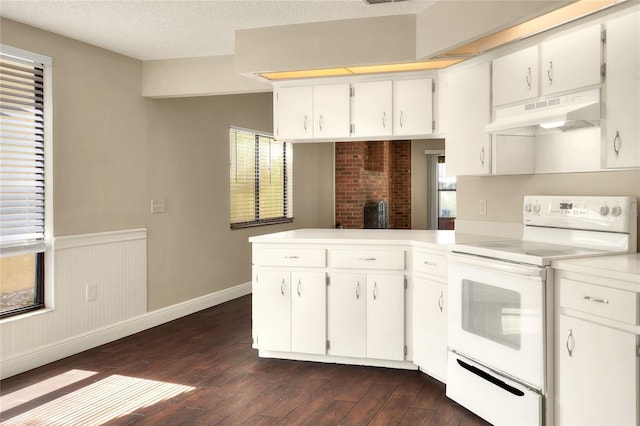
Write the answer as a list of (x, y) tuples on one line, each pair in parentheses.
[(365, 41), (211, 75), (99, 133), (115, 150), (192, 251), (504, 193)]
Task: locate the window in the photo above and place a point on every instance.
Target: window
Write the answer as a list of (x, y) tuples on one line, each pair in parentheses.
[(446, 196), (22, 183), (260, 179), (441, 193)]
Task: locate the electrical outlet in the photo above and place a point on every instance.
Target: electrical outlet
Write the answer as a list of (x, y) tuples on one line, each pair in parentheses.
[(91, 293), (483, 206), (158, 206)]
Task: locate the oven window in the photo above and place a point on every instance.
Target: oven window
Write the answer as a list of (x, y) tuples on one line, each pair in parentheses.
[(492, 312)]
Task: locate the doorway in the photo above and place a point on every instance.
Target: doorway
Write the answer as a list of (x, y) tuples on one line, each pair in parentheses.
[(441, 192)]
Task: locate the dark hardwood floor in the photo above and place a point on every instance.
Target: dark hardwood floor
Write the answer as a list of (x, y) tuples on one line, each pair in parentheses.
[(201, 370)]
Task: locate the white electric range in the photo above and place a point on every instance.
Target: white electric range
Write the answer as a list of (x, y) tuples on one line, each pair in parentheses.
[(501, 306)]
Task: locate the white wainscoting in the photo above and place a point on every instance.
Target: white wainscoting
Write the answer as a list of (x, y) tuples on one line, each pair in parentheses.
[(116, 263)]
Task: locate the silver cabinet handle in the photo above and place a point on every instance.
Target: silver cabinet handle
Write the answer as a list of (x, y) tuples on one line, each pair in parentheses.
[(384, 119), (282, 287), (441, 301), (596, 299), (617, 144), (550, 73), (368, 259), (299, 287), (528, 79), (375, 290), (292, 257), (401, 118), (482, 156), (571, 348), (305, 122), (358, 290), (320, 122)]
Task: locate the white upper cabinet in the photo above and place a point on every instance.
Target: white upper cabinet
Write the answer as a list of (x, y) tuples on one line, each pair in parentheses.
[(413, 107), (372, 109), (468, 111), (571, 61), (622, 127), (516, 76), (294, 112), (331, 111), (354, 110), (308, 112)]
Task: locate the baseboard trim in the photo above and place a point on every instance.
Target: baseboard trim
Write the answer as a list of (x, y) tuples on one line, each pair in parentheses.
[(62, 349), (331, 359)]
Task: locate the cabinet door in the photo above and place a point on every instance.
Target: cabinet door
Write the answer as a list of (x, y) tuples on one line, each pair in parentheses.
[(308, 312), (295, 112), (347, 315), (430, 327), (622, 137), (372, 109), (413, 107), (274, 315), (385, 316), (571, 61), (467, 145), (596, 384), (331, 111), (515, 77)]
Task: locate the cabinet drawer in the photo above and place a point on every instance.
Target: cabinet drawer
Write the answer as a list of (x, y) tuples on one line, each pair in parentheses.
[(430, 263), (367, 259), (619, 305), (289, 257)]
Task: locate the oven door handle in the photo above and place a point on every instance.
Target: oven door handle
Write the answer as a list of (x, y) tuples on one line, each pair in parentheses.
[(501, 266)]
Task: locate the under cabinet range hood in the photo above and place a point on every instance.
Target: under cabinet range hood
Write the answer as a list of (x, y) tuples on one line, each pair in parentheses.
[(558, 114)]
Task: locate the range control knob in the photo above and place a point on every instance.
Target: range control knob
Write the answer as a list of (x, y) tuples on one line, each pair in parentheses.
[(616, 211), (536, 208), (604, 210), (527, 207)]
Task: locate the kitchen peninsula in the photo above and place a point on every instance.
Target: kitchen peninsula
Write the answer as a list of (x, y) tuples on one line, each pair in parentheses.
[(352, 296)]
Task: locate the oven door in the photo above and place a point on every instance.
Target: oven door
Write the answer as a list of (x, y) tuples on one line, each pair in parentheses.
[(496, 315)]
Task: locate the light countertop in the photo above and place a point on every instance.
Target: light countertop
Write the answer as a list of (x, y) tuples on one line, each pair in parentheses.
[(625, 267), (428, 239)]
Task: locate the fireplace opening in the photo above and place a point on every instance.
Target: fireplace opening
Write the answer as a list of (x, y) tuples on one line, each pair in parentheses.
[(376, 215)]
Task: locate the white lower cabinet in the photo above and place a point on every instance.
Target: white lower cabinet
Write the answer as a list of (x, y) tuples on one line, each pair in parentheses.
[(347, 316), (366, 315), (596, 375), (430, 326), (429, 314), (292, 311), (385, 316), (597, 337)]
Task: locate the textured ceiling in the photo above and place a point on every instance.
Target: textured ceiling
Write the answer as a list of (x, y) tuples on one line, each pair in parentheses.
[(162, 29)]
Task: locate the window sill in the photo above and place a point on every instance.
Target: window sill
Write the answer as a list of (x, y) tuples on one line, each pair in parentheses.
[(29, 314), (260, 223)]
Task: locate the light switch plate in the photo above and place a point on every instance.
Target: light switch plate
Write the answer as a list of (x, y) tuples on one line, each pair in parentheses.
[(158, 206)]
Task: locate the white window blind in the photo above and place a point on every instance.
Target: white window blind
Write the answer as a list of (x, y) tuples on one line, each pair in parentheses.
[(260, 179), (21, 154)]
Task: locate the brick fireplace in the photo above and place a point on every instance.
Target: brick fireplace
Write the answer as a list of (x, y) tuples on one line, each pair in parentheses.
[(373, 171)]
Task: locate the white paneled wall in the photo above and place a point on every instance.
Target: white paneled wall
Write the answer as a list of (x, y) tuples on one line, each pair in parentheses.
[(115, 263)]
